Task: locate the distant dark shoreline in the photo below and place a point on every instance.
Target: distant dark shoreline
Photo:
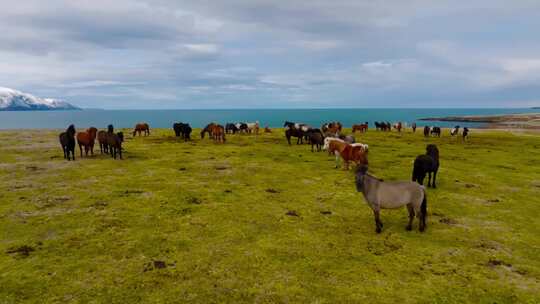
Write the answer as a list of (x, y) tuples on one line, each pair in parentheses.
[(519, 121)]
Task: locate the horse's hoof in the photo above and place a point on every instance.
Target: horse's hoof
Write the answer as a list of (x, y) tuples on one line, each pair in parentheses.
[(408, 228), (378, 230)]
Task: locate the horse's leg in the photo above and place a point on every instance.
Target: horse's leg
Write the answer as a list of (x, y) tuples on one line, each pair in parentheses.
[(411, 216), (337, 159), (434, 177), (378, 223), (429, 179), (80, 148)]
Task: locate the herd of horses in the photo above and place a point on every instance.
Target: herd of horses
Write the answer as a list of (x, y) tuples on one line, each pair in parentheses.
[(378, 194)]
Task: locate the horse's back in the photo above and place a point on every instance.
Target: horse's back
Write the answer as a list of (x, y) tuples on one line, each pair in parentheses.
[(396, 194)]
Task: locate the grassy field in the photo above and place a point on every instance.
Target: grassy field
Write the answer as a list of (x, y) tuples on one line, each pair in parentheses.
[(257, 221)]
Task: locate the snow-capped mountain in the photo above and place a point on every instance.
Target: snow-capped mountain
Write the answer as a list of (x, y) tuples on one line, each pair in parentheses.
[(13, 100)]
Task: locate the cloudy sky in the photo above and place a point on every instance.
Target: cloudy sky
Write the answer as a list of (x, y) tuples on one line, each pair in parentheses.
[(273, 54)]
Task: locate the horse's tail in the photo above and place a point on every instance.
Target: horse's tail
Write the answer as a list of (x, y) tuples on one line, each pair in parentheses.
[(423, 210)]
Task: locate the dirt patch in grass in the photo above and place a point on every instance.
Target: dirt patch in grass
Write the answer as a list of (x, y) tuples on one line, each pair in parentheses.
[(271, 190), (20, 251)]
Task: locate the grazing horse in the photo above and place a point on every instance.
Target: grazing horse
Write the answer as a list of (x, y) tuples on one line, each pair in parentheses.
[(208, 129), (360, 127), (267, 130), (426, 163), (356, 153), (435, 131), (141, 128), (253, 127), (230, 128), (67, 140), (465, 133), (295, 130), (333, 127), (398, 126), (183, 130), (114, 141), (391, 195), (218, 133), (413, 126), (316, 138), (454, 131), (242, 127), (87, 140)]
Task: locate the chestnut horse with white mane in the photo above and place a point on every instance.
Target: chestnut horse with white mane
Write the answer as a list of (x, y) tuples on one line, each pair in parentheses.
[(356, 153)]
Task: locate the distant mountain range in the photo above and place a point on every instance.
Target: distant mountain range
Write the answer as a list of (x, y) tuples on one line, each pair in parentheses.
[(13, 100)]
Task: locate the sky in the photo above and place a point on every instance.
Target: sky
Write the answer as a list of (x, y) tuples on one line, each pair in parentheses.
[(174, 54)]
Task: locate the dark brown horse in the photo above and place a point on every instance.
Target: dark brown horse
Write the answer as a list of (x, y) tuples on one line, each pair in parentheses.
[(102, 139), (87, 140), (114, 141), (361, 127), (142, 128), (67, 140)]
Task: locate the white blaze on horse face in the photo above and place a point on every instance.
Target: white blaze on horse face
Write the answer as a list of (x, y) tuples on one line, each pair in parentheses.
[(297, 126), (305, 128)]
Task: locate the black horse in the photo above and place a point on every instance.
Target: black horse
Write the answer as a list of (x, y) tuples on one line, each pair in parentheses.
[(436, 131), (231, 128), (465, 133), (67, 140), (316, 138), (291, 130), (183, 130), (426, 131), (242, 127), (426, 163), (114, 141)]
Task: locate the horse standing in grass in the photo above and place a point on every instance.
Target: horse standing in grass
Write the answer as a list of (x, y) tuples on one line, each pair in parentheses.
[(295, 130), (218, 133), (333, 127), (413, 126), (435, 131), (230, 128), (87, 139), (454, 131), (426, 163), (67, 140), (253, 127), (141, 128), (183, 130), (361, 127), (267, 130), (398, 126), (207, 129), (114, 141), (391, 195), (316, 138), (426, 131), (356, 153), (465, 133), (242, 127)]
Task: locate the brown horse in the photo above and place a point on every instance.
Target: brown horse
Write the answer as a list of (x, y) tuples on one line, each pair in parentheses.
[(361, 127), (142, 127), (87, 140), (267, 130), (114, 141), (208, 129), (332, 127), (102, 139), (356, 153), (218, 133)]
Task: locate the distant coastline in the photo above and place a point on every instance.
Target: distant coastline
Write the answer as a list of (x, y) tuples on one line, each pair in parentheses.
[(506, 121)]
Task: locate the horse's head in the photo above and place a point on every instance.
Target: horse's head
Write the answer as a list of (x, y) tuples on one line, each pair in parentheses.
[(71, 130), (361, 172)]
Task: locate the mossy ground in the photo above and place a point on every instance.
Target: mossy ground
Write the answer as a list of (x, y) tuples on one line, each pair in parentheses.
[(257, 221)]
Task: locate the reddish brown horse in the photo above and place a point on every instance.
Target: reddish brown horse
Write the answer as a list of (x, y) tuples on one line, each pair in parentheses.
[(87, 140), (217, 133), (361, 127), (142, 128), (356, 153)]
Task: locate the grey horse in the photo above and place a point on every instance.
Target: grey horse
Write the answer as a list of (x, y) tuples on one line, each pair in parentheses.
[(391, 195)]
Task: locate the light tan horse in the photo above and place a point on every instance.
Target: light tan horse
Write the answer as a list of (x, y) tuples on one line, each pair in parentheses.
[(391, 195)]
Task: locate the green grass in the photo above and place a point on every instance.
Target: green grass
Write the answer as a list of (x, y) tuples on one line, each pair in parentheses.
[(215, 214)]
